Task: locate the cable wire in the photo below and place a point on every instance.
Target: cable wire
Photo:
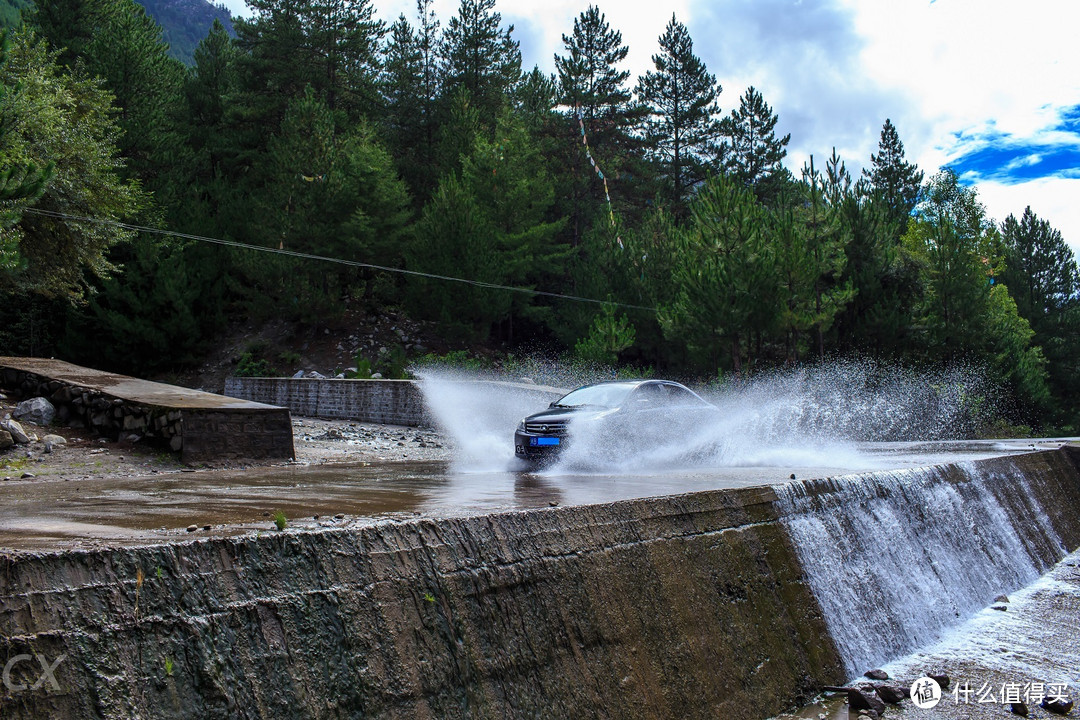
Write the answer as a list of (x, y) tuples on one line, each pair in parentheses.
[(339, 261)]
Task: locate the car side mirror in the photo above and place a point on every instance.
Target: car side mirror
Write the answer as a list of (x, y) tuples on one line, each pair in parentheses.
[(552, 403)]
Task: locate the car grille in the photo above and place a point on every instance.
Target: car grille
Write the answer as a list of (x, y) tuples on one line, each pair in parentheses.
[(546, 428)]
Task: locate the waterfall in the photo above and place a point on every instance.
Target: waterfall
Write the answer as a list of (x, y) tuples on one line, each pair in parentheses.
[(898, 558)]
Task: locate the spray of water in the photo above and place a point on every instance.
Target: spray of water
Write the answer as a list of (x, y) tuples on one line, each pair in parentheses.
[(806, 417)]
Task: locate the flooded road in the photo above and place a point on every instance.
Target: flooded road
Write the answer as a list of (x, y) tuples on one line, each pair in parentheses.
[(94, 512)]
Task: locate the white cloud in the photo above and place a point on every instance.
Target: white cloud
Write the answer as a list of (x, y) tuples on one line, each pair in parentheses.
[(1052, 199)]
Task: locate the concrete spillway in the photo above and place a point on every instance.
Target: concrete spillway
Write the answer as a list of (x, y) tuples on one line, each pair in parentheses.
[(705, 604)]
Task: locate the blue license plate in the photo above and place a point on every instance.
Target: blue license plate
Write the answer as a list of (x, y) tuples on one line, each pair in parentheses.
[(543, 441)]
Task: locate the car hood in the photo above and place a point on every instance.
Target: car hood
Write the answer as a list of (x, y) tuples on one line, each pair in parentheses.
[(554, 415)]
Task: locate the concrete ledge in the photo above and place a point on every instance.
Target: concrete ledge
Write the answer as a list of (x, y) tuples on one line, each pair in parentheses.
[(688, 606), (200, 426)]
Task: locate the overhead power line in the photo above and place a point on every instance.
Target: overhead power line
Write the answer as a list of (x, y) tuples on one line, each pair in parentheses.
[(338, 261)]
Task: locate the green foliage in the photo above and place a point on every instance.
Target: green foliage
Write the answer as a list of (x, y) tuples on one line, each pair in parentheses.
[(63, 122), (751, 151), (608, 337), (681, 128), (280, 521), (168, 666), (893, 179), (480, 57), (253, 362)]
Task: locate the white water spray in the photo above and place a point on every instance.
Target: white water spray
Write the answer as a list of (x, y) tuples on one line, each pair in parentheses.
[(809, 417)]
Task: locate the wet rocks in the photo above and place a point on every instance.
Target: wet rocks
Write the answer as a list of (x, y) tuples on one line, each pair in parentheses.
[(1019, 708), (892, 694), (876, 674), (865, 698), (941, 678), (1001, 599), (1059, 705), (37, 410)]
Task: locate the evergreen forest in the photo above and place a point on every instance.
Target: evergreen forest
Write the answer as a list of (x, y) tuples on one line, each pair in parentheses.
[(314, 157)]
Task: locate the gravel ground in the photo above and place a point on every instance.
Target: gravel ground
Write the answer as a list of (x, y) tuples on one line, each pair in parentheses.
[(316, 442)]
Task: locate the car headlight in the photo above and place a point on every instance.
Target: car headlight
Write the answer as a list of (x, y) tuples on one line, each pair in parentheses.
[(521, 425)]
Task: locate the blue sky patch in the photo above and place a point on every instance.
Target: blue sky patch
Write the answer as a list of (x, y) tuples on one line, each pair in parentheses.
[(1005, 158)]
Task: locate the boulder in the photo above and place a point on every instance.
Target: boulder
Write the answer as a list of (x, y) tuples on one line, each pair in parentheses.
[(16, 430), (298, 374), (875, 674), (53, 441), (892, 694), (941, 678), (861, 699), (1001, 599), (1019, 708), (5, 440), (36, 410), (1057, 705)]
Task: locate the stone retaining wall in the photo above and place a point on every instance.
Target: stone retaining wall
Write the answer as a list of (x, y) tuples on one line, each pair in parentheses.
[(198, 434), (391, 402)]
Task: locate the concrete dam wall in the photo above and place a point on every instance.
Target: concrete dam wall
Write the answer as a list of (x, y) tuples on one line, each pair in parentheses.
[(703, 605)]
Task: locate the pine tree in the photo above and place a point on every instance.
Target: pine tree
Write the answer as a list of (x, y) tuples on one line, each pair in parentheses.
[(681, 129), (117, 41), (410, 89), (1041, 275), (591, 81), (724, 276), (589, 76), (894, 179), (480, 57), (751, 152)]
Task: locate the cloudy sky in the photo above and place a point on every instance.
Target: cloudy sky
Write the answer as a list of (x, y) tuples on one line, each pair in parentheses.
[(990, 88)]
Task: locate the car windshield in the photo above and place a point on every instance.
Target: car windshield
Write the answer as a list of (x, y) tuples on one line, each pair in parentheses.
[(605, 395)]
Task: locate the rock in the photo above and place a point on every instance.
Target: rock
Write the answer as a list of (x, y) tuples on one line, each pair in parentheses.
[(861, 699), (376, 376), (192, 528), (6, 440), (339, 516), (339, 376), (892, 694), (36, 410), (1059, 705), (177, 443), (941, 678), (17, 432), (1019, 708), (54, 440), (298, 374), (28, 476), (1002, 608), (1001, 599), (315, 375)]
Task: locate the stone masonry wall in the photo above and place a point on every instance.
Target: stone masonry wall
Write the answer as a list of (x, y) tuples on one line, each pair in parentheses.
[(197, 434), (393, 402)]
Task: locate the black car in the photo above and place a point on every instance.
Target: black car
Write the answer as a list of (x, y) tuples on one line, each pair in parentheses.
[(614, 419)]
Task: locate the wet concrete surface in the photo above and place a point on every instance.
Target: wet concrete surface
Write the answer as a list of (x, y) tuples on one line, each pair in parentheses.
[(161, 508)]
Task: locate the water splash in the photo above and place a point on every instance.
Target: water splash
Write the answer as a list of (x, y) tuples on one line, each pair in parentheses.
[(806, 417), (898, 558)]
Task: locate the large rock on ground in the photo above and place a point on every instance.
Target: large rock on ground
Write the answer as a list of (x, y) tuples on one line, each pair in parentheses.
[(17, 433), (36, 410), (863, 699), (5, 440)]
